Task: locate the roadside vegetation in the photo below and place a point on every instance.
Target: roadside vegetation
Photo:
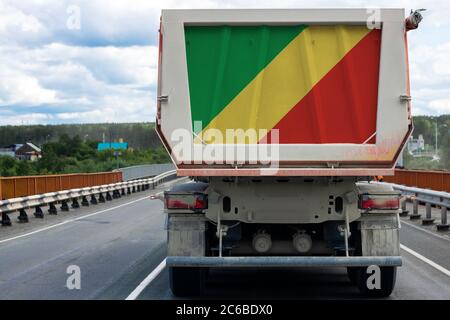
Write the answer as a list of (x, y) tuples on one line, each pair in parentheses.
[(73, 155), (426, 126)]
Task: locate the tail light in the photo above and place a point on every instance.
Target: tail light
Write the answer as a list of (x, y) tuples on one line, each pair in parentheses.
[(188, 201), (379, 202)]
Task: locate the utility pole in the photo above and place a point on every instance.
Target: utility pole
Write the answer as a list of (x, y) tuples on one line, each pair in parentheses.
[(117, 154), (436, 140), (400, 161)]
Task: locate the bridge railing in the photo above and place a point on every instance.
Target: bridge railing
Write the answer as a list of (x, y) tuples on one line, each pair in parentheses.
[(429, 198), (100, 193), (13, 187), (144, 171), (425, 179)]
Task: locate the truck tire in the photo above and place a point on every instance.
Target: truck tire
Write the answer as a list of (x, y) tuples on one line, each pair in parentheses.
[(186, 282), (352, 274), (387, 282)]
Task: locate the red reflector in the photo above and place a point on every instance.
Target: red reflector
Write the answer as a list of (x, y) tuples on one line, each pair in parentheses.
[(176, 204), (380, 202), (200, 203), (186, 201)]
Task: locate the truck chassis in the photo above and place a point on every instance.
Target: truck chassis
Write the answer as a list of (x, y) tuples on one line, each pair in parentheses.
[(306, 222)]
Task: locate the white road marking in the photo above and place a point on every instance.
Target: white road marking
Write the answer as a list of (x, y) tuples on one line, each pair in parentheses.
[(425, 230), (426, 260), (136, 292), (141, 287), (71, 220)]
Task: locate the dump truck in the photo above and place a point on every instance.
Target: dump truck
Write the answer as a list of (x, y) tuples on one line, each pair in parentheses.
[(279, 118)]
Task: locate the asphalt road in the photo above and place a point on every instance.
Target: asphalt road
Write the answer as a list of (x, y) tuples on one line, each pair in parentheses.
[(118, 244)]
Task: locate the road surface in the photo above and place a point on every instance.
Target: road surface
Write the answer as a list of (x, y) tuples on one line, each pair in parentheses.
[(117, 246)]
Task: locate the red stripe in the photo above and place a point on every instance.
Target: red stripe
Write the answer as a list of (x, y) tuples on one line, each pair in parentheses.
[(343, 104)]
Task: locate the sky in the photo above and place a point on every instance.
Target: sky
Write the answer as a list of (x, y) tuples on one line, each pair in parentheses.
[(102, 67)]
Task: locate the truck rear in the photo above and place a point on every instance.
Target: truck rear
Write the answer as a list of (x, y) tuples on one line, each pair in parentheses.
[(279, 117)]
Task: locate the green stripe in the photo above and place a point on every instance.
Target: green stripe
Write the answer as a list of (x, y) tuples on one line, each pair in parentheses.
[(222, 60)]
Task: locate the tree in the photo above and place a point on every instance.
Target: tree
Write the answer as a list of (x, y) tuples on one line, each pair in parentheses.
[(445, 150), (24, 168), (7, 166)]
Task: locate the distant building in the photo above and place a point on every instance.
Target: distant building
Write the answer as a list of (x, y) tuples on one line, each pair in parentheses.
[(416, 145), (112, 146), (28, 151)]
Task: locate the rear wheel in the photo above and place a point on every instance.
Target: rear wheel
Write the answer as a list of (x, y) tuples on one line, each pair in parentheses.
[(352, 274), (187, 281), (368, 286)]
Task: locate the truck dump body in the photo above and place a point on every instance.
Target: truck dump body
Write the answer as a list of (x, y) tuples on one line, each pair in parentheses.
[(308, 90), (314, 84)]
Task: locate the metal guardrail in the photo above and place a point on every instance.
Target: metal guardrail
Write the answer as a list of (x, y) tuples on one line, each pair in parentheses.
[(97, 194), (144, 171), (429, 197)]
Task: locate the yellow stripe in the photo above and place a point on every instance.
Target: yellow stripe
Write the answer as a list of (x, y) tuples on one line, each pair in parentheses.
[(288, 78)]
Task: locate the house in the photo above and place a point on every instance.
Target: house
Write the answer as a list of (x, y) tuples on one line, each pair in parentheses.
[(28, 151), (416, 145)]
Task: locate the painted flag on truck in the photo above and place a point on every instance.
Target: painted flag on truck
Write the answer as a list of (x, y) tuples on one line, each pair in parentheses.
[(315, 84)]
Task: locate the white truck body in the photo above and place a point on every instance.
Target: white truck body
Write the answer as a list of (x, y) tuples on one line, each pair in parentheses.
[(279, 117)]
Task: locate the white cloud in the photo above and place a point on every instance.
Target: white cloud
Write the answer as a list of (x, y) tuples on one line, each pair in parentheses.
[(133, 64), (19, 88), (430, 78), (85, 84), (442, 106), (25, 119), (17, 26), (15, 20)]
